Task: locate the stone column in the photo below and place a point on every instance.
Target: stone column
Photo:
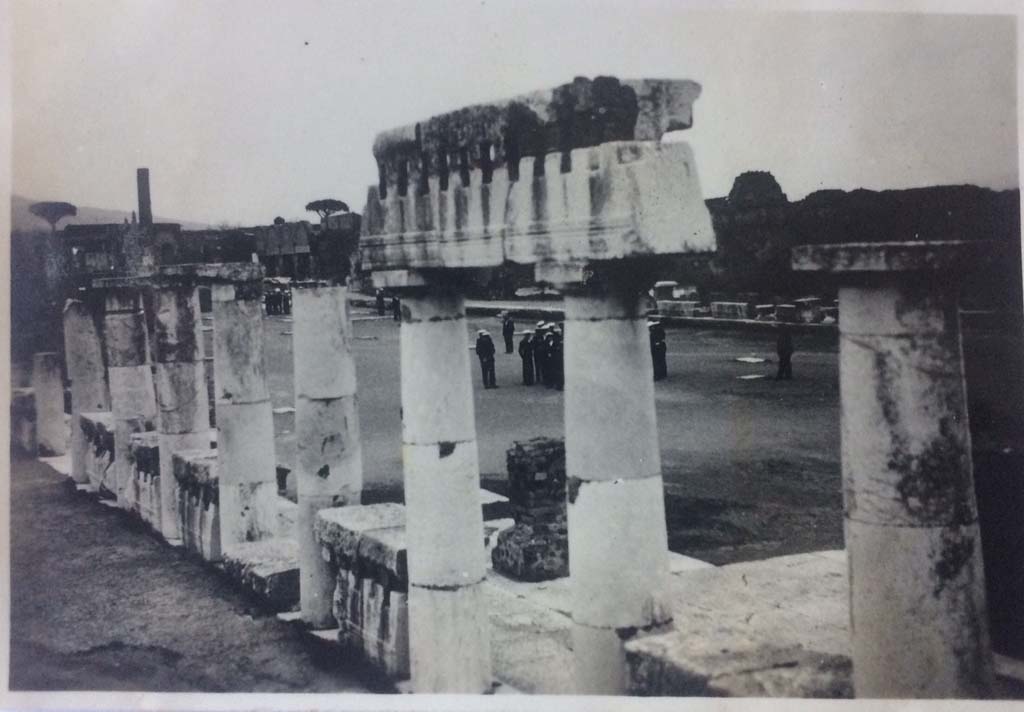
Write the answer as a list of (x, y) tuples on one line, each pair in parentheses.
[(917, 593), (618, 543), (132, 398), (330, 462), (245, 425), (83, 347), (449, 635), (48, 390), (181, 390)]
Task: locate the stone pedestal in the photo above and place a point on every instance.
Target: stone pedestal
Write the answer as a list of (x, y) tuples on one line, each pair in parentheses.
[(449, 633), (83, 346), (132, 398), (329, 466), (48, 387), (537, 547), (181, 390), (618, 543), (917, 589), (245, 425)]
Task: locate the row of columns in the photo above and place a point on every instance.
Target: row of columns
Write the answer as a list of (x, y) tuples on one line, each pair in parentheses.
[(917, 595)]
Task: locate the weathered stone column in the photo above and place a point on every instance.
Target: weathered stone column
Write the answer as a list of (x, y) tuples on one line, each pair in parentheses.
[(132, 398), (917, 594), (245, 425), (48, 389), (181, 389), (449, 631), (618, 543), (330, 462), (83, 347)]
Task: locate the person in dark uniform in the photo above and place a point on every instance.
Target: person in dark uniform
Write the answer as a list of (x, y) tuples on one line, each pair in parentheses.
[(380, 302), (784, 349), (557, 361), (396, 308), (485, 352), (286, 300), (549, 357), (658, 350), (540, 353), (526, 354), (508, 330)]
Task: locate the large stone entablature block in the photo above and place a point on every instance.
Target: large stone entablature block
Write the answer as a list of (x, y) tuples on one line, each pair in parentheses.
[(569, 175)]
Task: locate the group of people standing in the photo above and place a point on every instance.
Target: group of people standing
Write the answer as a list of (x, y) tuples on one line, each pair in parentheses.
[(278, 301), (542, 354), (396, 305), (540, 350)]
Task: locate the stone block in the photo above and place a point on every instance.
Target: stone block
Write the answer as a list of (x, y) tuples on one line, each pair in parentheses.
[(340, 529), (530, 555), (144, 454), (269, 569)]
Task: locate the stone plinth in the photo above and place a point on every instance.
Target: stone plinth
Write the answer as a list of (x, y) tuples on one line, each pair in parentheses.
[(537, 547), (196, 502), (48, 387), (23, 420), (671, 307), (364, 548), (267, 569), (917, 589), (730, 310), (100, 452), (144, 454), (83, 349)]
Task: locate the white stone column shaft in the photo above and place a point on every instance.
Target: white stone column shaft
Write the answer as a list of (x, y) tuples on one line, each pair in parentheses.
[(83, 347), (330, 462), (181, 390), (917, 598), (132, 398), (449, 631), (48, 391), (618, 543), (247, 475)]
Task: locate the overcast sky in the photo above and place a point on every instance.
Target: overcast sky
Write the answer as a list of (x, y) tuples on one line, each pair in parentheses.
[(247, 110)]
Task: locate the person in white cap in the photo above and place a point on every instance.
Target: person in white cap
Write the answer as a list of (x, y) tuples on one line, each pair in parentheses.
[(540, 353), (485, 352), (508, 331)]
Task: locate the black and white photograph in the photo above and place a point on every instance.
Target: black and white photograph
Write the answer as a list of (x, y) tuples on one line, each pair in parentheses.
[(387, 350)]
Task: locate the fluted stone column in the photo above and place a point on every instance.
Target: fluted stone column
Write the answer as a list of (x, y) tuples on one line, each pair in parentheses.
[(245, 425), (83, 346), (618, 543), (330, 463), (132, 398), (917, 592), (181, 390), (449, 636), (48, 390)]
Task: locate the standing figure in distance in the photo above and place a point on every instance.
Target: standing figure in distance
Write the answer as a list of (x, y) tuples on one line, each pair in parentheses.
[(396, 308), (526, 354), (485, 352), (540, 353), (557, 360), (784, 349), (508, 330), (658, 350), (380, 302)]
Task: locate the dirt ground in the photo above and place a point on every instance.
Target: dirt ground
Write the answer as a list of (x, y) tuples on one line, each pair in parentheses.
[(751, 466), (97, 603)]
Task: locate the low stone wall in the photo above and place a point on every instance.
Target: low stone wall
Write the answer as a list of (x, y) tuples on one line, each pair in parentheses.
[(144, 454), (195, 472), (731, 310), (98, 428), (672, 307)]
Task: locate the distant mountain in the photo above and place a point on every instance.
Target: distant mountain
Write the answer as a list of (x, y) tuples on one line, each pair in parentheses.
[(23, 220)]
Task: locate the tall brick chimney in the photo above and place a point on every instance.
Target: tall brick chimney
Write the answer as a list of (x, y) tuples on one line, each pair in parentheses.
[(145, 209)]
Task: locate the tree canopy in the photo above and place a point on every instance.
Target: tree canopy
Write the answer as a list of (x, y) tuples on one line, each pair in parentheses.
[(53, 212), (280, 220), (326, 207)]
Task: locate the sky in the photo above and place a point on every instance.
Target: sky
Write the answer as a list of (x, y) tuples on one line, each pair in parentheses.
[(246, 110)]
